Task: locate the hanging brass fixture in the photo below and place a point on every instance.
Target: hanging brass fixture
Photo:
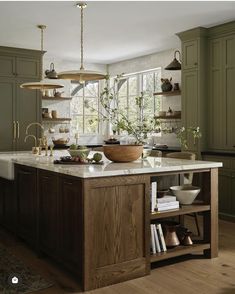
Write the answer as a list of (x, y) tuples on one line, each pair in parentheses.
[(44, 84), (175, 64), (81, 75)]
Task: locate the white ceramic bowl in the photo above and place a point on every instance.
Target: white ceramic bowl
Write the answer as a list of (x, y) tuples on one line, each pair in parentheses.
[(185, 194)]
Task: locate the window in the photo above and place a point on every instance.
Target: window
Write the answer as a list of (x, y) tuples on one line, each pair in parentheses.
[(131, 86), (85, 120)]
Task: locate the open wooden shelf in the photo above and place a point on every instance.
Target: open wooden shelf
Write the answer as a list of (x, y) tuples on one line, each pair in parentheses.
[(178, 251), (169, 117), (184, 209), (56, 98), (55, 119), (171, 93)]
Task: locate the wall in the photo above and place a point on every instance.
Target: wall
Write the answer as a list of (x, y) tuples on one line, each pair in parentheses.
[(160, 59)]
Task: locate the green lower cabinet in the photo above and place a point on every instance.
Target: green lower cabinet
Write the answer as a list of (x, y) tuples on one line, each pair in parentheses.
[(224, 192)]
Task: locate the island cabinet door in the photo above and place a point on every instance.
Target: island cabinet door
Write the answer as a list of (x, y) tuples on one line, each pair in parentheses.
[(116, 216), (47, 211), (26, 189), (70, 223)]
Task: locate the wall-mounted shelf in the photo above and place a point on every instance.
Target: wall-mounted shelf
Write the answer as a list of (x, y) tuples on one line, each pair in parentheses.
[(54, 120), (56, 98), (171, 93), (170, 117)]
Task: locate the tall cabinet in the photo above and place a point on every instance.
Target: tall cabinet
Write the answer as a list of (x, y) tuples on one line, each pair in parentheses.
[(194, 46), (19, 107)]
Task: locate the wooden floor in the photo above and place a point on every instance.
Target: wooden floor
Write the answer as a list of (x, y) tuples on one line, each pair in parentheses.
[(187, 276)]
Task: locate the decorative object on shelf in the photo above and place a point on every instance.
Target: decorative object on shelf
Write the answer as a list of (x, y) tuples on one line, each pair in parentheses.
[(176, 87), (51, 130), (81, 75), (46, 115), (187, 241), (60, 141), (54, 114), (51, 73), (139, 129), (61, 129), (43, 84), (57, 93), (171, 238), (162, 193), (182, 134), (175, 64), (169, 112), (166, 85), (185, 194), (123, 153)]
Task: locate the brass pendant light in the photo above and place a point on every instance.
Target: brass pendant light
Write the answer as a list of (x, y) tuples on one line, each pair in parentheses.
[(81, 75), (44, 84), (175, 64)]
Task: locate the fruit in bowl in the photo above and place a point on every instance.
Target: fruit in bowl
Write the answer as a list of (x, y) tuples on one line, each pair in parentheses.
[(78, 151)]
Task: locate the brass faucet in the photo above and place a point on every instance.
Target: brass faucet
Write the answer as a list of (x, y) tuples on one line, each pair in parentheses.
[(37, 124), (42, 141), (35, 148)]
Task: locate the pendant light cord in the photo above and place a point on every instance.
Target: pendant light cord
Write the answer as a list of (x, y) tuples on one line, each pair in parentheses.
[(82, 6), (42, 28)]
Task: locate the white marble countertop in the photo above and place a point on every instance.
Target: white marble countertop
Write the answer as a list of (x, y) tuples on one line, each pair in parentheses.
[(149, 165)]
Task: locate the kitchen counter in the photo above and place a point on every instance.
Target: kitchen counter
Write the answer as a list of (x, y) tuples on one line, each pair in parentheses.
[(149, 165)]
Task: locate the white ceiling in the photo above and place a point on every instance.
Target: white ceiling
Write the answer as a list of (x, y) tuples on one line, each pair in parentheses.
[(114, 31)]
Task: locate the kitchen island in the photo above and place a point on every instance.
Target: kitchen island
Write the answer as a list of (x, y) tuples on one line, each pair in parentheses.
[(95, 219)]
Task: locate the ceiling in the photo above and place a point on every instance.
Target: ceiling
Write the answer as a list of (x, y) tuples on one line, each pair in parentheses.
[(114, 31)]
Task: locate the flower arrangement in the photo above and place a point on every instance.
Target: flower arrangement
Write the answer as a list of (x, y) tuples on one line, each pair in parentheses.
[(182, 133), (138, 129)]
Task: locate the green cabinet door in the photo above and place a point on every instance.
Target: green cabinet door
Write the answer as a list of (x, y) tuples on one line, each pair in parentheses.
[(229, 88), (217, 109), (7, 66), (190, 103), (7, 114), (27, 111), (190, 54), (27, 68), (233, 194)]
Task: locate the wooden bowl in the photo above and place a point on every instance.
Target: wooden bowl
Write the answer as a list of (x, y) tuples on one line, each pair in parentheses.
[(123, 153)]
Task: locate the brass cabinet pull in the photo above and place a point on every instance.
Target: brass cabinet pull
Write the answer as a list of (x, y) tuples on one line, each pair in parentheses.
[(14, 130), (18, 129)]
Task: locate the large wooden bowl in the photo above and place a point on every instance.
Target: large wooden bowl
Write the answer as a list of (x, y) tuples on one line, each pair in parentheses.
[(122, 153)]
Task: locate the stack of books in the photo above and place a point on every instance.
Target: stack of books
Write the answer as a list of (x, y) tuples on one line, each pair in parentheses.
[(157, 239), (165, 203)]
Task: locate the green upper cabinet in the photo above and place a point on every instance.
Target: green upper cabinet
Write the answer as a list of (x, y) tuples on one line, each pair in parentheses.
[(194, 46), (190, 54), (222, 93), (27, 68), (19, 107), (7, 66)]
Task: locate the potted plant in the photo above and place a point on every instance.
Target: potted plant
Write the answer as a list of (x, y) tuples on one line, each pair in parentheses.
[(183, 132)]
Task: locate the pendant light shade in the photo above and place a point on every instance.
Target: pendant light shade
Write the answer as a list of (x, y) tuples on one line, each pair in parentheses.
[(82, 74), (175, 64), (44, 84)]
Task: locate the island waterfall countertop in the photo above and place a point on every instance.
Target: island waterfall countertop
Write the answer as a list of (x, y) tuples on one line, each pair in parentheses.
[(149, 165)]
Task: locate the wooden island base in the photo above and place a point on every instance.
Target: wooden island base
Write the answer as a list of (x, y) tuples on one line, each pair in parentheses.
[(99, 228)]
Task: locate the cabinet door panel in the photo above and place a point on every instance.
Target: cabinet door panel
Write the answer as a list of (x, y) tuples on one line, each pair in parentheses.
[(48, 231), (190, 103), (27, 68), (229, 88), (7, 66), (26, 179), (28, 109), (217, 109), (7, 113), (70, 221), (190, 54)]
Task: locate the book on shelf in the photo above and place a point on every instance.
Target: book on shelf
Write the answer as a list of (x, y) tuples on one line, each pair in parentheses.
[(153, 199), (166, 199), (167, 204), (153, 243), (156, 238), (166, 208), (161, 237)]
